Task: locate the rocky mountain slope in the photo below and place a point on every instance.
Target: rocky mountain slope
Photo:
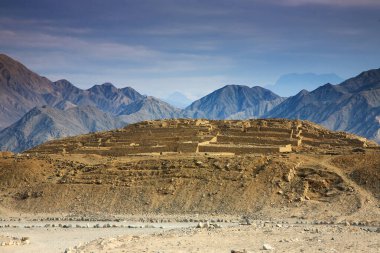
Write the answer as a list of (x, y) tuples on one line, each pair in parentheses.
[(105, 97), (147, 109), (94, 109), (353, 105), (45, 123), (235, 102), (21, 90)]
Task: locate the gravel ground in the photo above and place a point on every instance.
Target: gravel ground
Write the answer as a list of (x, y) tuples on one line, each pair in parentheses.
[(57, 239), (124, 236)]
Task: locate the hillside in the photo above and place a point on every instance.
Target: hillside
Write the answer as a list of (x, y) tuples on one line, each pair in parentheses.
[(198, 166)]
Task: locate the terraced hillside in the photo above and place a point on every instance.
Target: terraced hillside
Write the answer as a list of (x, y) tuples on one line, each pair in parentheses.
[(270, 168), (194, 136)]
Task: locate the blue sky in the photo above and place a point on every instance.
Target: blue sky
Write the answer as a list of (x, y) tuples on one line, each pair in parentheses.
[(195, 47)]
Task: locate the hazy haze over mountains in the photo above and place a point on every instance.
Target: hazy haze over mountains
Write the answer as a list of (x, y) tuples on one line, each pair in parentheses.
[(177, 99)]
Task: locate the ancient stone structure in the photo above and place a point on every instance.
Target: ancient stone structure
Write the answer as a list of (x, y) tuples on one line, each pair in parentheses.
[(208, 136)]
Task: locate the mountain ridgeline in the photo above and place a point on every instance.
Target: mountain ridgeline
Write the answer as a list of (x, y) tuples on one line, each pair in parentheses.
[(352, 106), (21, 90), (34, 109), (234, 102)]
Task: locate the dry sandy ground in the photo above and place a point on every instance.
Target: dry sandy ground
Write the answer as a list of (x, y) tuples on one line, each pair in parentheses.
[(184, 237), (281, 238), (58, 239)]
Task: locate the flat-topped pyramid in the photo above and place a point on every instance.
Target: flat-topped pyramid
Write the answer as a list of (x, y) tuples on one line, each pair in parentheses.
[(207, 136)]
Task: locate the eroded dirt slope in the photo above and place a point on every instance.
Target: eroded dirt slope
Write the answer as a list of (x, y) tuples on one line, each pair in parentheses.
[(283, 184), (324, 177)]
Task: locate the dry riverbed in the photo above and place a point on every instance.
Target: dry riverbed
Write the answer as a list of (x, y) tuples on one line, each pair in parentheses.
[(186, 235)]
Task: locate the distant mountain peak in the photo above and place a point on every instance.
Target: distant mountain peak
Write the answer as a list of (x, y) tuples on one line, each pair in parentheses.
[(303, 92), (232, 100), (232, 85), (103, 87), (237, 88), (64, 84), (65, 81), (108, 85)]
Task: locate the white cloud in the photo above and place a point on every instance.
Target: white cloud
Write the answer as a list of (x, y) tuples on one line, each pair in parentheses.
[(154, 60), (37, 40), (86, 62)]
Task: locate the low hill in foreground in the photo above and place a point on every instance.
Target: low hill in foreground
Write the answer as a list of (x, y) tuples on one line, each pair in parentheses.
[(263, 168)]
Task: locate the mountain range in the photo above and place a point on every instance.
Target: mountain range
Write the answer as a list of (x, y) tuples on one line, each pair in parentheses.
[(352, 106), (21, 90), (34, 109), (46, 123)]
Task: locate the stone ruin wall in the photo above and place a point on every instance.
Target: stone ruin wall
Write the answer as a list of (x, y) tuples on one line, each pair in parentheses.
[(237, 150), (256, 141)]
